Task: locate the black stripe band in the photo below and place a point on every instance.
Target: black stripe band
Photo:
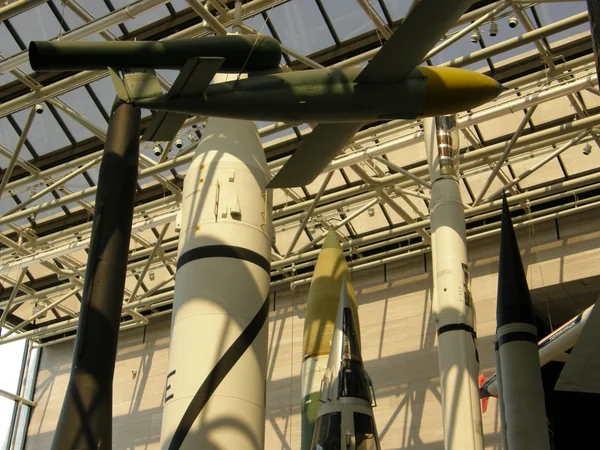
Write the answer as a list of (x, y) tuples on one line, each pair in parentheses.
[(457, 327), (224, 251), (517, 336), (218, 373)]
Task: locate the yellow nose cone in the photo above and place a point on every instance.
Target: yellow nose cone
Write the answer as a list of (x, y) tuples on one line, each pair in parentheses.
[(451, 90), (323, 297)]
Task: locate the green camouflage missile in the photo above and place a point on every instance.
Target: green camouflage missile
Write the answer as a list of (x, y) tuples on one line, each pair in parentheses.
[(247, 52)]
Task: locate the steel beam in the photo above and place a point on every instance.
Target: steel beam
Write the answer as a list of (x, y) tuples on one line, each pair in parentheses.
[(17, 151), (18, 7), (12, 297), (539, 164), (509, 146)]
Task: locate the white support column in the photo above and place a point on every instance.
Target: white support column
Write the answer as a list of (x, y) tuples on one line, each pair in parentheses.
[(453, 308)]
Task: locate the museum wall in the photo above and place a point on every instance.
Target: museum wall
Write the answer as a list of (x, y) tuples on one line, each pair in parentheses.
[(398, 338)]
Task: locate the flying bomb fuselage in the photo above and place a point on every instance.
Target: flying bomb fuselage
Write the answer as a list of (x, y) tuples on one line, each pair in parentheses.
[(333, 95)]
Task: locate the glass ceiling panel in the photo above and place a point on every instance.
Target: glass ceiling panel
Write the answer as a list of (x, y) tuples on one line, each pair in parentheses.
[(551, 110), (77, 131), (8, 46), (3, 159), (81, 101), (336, 181), (394, 216), (96, 8), (6, 204), (258, 23), (553, 12), (503, 127), (179, 4), (10, 137), (371, 220), (591, 100), (143, 19), (477, 180), (301, 27), (548, 172), (462, 47), (76, 184), (6, 78), (397, 9), (37, 24), (576, 162), (464, 193), (45, 134), (105, 91), (407, 155), (348, 18), (72, 20), (504, 33)]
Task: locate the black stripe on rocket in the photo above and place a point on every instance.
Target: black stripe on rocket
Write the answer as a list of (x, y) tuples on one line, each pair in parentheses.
[(460, 327), (233, 353), (224, 251)]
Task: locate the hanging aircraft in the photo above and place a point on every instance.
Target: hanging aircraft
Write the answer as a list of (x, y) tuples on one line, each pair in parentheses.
[(340, 101)]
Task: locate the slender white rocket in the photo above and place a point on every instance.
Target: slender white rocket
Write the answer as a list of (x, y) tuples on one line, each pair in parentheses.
[(452, 308), (216, 375)]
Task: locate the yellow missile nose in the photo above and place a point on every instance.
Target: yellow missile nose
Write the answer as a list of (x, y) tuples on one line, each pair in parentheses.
[(323, 297), (451, 90)]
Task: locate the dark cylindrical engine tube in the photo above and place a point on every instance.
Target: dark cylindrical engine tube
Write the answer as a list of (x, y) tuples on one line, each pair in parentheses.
[(85, 420), (247, 52)]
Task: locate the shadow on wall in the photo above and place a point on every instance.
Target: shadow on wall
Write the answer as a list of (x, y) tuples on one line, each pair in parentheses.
[(135, 425)]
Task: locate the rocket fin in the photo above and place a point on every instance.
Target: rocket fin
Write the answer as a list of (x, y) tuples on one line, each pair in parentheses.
[(484, 401), (315, 152), (164, 126), (195, 76), (193, 80), (119, 86)]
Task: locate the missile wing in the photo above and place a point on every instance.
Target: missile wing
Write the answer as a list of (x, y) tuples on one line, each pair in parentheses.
[(424, 26), (192, 80)]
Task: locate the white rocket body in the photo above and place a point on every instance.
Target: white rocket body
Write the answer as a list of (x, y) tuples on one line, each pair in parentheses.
[(453, 307), (552, 346), (215, 387), (522, 390)]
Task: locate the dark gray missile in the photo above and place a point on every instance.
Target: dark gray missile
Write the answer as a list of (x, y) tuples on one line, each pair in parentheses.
[(247, 52), (516, 339)]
